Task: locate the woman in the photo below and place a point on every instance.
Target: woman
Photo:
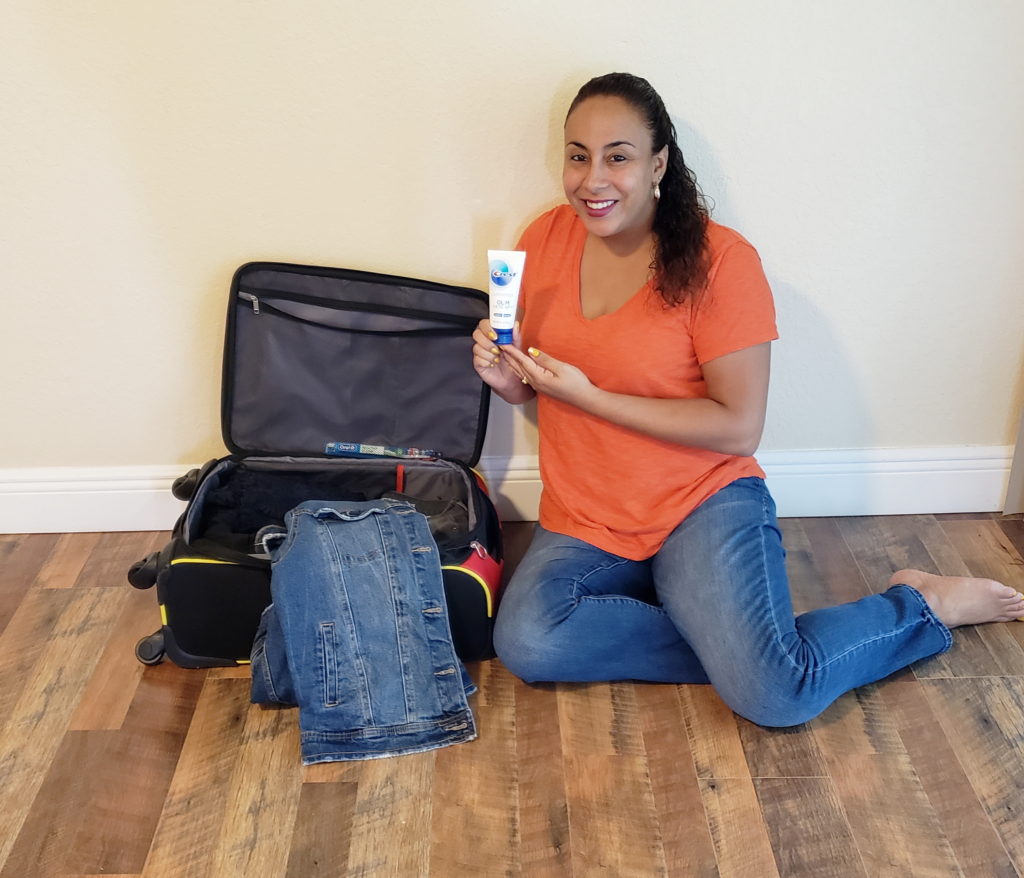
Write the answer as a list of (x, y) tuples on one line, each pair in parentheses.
[(658, 557)]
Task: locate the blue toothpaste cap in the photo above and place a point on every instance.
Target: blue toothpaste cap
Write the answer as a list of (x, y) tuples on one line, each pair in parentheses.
[(504, 336)]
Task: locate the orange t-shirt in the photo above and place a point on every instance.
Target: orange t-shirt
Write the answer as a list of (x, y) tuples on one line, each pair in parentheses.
[(611, 486)]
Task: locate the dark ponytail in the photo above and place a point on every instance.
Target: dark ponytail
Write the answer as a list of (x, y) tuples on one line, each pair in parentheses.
[(680, 219)]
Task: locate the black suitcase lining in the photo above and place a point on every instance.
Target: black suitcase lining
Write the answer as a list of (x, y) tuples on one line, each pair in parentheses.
[(237, 498)]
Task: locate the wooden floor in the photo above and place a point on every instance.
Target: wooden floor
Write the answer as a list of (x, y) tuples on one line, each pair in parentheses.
[(110, 768)]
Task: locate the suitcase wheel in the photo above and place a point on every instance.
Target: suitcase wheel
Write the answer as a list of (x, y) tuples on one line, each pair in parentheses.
[(142, 574), (150, 650)]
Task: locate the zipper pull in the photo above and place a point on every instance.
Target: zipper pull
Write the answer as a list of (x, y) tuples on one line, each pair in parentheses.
[(478, 547), (249, 297)]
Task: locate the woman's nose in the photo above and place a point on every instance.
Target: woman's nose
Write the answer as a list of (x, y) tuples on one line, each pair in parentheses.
[(596, 177)]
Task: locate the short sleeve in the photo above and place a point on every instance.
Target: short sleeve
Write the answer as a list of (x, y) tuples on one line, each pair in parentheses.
[(736, 311)]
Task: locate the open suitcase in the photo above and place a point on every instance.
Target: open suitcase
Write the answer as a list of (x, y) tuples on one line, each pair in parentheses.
[(318, 357)]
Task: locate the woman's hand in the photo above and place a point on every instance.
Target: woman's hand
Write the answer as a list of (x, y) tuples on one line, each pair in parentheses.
[(728, 420), (547, 375), (496, 369)]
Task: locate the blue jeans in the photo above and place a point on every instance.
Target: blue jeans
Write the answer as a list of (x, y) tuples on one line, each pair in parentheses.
[(712, 606), (357, 635)]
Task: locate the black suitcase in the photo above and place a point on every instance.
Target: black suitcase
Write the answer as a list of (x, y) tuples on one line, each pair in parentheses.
[(316, 358)]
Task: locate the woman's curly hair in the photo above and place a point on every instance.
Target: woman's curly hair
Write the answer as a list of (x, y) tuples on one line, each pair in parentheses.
[(680, 219)]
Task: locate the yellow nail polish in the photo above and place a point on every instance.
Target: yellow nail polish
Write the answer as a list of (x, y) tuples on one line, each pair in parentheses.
[(495, 351), (534, 352), (492, 335)]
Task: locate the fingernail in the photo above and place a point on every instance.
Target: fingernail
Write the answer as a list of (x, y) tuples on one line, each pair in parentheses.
[(492, 335), (495, 351), (534, 352), (525, 381)]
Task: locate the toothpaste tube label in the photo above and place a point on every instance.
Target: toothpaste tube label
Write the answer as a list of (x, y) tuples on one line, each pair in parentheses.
[(353, 449)]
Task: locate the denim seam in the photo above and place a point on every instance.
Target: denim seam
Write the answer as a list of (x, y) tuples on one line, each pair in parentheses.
[(400, 652), (259, 659), (764, 574), (579, 580), (617, 599), (325, 531), (929, 614)]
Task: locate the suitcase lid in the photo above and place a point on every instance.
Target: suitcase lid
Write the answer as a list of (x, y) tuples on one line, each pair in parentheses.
[(318, 355)]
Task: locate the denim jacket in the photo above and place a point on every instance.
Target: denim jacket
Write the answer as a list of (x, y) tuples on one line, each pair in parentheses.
[(357, 635)]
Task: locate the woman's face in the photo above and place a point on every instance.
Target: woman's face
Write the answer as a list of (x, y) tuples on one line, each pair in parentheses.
[(609, 170)]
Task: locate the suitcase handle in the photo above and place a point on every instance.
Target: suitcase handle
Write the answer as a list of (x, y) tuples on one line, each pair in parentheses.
[(184, 487)]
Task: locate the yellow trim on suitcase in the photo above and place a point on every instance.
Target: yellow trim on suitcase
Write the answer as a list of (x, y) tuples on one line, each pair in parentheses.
[(201, 561), (478, 578), (163, 614)]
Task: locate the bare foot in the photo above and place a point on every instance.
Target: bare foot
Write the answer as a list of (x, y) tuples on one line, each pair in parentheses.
[(964, 600)]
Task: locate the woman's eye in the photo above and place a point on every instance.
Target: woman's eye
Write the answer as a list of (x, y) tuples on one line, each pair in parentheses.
[(577, 157), (615, 159)]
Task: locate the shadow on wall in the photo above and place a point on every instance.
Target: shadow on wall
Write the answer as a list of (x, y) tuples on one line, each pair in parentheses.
[(815, 402), (816, 399)]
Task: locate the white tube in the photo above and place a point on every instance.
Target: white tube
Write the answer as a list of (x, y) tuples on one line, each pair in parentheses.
[(504, 272)]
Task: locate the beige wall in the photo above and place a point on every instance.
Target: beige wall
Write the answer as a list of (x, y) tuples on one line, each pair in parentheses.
[(870, 150)]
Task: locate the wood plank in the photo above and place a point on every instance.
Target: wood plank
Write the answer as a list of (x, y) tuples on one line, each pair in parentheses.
[(832, 575), (984, 721), (977, 846), (111, 689), (234, 672), (608, 791), (599, 718), (475, 788), (21, 557), (391, 824), (36, 722), (803, 577), (714, 737), (24, 639), (332, 772), (679, 806), (66, 561), (742, 843), (987, 550), (882, 545), (108, 563), (323, 830), (612, 814), (102, 819), (543, 810), (263, 797), (809, 833), (785, 752), (893, 822), (194, 809), (1014, 530)]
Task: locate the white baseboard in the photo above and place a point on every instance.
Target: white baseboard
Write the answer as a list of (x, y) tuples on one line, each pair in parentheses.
[(877, 481)]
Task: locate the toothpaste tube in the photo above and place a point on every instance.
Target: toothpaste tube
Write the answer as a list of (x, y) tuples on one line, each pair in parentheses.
[(505, 273), (356, 449)]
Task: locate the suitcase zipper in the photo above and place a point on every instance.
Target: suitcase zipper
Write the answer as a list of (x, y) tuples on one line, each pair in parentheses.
[(346, 305)]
